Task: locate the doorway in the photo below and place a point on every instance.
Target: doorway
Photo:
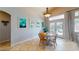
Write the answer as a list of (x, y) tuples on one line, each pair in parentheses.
[(5, 29)]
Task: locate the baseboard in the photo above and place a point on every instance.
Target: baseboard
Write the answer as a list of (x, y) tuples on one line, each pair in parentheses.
[(4, 41), (20, 42)]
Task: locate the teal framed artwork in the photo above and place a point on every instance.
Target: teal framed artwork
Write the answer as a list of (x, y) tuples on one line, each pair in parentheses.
[(22, 22), (32, 24), (38, 24), (43, 25)]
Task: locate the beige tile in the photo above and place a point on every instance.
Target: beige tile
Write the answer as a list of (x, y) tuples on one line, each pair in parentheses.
[(33, 45)]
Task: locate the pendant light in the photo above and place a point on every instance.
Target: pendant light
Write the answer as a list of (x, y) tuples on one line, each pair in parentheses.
[(47, 14)]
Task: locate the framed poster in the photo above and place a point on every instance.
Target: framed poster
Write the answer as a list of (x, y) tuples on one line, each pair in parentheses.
[(32, 23), (37, 24), (22, 22), (43, 25)]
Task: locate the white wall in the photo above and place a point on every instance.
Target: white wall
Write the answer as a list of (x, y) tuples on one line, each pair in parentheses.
[(18, 34)]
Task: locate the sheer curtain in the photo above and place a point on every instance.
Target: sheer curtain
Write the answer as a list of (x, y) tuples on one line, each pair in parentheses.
[(76, 25), (69, 25)]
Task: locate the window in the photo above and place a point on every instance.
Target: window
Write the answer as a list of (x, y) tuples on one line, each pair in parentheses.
[(56, 26), (57, 17), (52, 27), (76, 21), (76, 13)]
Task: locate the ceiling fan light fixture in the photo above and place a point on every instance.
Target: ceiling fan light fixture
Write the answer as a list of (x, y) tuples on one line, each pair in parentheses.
[(47, 14)]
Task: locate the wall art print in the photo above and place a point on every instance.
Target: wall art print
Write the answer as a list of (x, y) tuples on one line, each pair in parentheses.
[(22, 22), (38, 24)]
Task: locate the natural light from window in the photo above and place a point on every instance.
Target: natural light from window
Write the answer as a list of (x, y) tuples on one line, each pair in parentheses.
[(56, 17), (76, 21)]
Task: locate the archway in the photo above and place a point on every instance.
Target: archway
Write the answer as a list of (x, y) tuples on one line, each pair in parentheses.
[(5, 29)]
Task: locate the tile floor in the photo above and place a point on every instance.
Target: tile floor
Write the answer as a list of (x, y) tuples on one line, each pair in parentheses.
[(5, 46), (33, 45)]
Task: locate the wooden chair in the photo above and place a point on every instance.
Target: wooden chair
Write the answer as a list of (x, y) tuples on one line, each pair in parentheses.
[(42, 37)]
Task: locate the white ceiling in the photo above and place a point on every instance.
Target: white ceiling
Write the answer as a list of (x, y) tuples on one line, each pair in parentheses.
[(32, 11), (26, 11)]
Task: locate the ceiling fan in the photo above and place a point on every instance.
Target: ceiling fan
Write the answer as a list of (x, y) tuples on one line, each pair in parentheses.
[(47, 14)]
